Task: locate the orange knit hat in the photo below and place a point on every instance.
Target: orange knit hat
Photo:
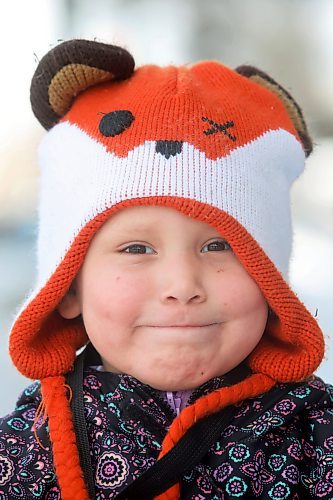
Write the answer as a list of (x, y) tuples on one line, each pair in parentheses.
[(222, 146)]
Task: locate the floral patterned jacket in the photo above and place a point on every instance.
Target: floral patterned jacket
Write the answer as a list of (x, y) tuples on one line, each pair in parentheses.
[(277, 446)]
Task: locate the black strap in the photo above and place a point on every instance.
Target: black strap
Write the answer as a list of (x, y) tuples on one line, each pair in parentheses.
[(180, 459), (75, 380), (166, 471)]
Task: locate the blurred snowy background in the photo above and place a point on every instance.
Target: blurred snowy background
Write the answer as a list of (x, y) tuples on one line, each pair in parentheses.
[(290, 39)]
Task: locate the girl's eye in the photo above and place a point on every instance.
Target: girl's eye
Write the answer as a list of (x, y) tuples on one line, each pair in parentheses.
[(136, 249), (218, 245), (214, 246)]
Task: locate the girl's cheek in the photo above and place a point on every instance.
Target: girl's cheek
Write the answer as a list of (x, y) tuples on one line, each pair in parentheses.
[(122, 289)]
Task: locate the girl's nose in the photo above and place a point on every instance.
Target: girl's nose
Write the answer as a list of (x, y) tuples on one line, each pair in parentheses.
[(183, 283), (183, 298)]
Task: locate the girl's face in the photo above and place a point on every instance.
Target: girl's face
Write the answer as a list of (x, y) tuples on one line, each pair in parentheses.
[(164, 299)]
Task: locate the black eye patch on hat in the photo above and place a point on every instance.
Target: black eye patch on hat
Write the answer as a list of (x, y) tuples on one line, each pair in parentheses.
[(115, 122)]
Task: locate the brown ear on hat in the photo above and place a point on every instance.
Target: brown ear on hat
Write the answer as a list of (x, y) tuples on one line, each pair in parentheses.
[(70, 68), (293, 109)]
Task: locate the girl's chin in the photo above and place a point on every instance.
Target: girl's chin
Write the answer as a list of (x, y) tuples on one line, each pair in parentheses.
[(174, 382), (173, 373)]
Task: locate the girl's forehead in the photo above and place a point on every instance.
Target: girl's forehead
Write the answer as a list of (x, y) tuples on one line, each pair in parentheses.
[(153, 217), (160, 221)]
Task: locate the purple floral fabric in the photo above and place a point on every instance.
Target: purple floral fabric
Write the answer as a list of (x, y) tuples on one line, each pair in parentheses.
[(277, 446)]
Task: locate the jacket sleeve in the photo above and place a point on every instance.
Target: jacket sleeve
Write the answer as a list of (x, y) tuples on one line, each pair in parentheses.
[(26, 468), (318, 446)]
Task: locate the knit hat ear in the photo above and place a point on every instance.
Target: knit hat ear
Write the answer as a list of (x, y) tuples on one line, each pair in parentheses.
[(293, 109), (70, 68)]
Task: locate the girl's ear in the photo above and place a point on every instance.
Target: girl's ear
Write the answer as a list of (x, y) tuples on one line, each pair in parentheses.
[(70, 307)]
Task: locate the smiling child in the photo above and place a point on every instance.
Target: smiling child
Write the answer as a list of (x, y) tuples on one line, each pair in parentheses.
[(170, 357)]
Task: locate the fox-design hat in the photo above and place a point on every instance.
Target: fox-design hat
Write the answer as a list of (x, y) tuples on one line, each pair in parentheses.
[(219, 145)]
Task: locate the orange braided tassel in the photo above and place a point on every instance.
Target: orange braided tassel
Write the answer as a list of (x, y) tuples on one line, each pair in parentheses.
[(62, 435), (252, 386), (39, 412)]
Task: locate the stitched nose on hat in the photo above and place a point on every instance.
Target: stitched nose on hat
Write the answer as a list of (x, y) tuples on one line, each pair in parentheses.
[(169, 148)]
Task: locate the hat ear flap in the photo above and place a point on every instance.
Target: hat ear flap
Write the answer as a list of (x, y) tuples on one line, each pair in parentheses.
[(68, 69), (292, 108)]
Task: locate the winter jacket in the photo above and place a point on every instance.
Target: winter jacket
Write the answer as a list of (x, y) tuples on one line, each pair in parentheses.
[(276, 446)]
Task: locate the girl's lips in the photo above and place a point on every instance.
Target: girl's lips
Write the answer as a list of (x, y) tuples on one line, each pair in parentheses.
[(183, 326)]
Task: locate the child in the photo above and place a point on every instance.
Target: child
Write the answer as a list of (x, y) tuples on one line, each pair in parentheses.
[(172, 358)]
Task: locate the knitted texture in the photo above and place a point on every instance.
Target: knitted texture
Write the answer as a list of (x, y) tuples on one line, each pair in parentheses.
[(43, 344), (218, 145), (66, 72)]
